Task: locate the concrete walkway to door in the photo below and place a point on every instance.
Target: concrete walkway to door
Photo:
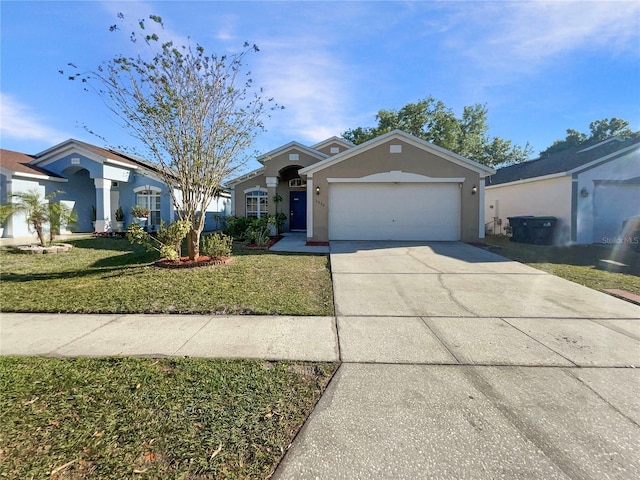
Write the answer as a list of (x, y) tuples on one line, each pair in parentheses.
[(458, 363)]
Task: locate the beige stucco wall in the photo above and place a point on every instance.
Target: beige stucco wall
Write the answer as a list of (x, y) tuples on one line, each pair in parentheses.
[(539, 198), (411, 160), (327, 148), (238, 194), (275, 167)]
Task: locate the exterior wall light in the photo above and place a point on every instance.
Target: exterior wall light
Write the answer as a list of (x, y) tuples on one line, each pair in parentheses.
[(584, 193), (317, 190), (474, 190)]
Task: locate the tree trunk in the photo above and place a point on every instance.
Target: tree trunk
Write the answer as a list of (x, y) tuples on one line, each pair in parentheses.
[(38, 229), (193, 244)]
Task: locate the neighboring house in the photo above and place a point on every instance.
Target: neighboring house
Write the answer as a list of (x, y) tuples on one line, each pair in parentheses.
[(591, 190), (394, 187), (90, 177)]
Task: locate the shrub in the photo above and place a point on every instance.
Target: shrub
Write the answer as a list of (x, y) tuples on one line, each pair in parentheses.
[(258, 232), (216, 245), (167, 241), (236, 227)]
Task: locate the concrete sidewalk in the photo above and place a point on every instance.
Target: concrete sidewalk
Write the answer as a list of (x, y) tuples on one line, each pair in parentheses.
[(385, 340), (274, 338)]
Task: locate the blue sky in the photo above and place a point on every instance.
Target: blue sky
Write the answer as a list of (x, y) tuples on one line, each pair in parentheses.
[(541, 67)]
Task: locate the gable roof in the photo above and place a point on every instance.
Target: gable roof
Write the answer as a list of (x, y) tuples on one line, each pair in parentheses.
[(92, 151), (483, 170), (331, 140), (20, 164), (565, 162), (291, 146)]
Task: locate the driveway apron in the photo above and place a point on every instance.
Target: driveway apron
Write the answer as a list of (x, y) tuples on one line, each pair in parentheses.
[(459, 363)]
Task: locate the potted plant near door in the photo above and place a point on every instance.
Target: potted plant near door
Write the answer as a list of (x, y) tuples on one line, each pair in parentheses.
[(140, 214), (119, 214)]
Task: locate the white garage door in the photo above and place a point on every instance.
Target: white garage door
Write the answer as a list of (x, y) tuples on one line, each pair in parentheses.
[(612, 204), (400, 211)]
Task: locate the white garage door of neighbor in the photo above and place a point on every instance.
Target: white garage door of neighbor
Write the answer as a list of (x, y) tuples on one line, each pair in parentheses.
[(400, 211), (613, 204)]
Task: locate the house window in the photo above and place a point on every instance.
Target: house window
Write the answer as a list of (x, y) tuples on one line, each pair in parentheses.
[(150, 200), (257, 204), (297, 182)]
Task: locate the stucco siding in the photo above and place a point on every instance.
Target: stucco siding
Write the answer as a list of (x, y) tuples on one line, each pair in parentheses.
[(239, 204), (622, 169), (274, 165), (539, 198)]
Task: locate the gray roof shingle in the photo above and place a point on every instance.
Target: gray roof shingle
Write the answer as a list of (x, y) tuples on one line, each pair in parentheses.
[(559, 162)]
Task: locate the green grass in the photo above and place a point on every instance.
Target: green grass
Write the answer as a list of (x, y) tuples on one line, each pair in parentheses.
[(109, 275), (119, 418), (576, 262)]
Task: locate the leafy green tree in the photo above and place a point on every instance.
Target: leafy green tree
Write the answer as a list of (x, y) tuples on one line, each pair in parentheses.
[(432, 120), (40, 211), (196, 115), (599, 131)]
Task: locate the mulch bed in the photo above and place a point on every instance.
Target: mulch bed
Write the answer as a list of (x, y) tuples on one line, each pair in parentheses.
[(272, 242), (184, 262)]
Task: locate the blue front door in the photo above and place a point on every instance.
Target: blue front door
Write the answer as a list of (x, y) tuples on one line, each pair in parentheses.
[(298, 210)]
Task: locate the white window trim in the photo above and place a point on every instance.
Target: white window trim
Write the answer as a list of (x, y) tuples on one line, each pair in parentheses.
[(147, 188), (253, 190)]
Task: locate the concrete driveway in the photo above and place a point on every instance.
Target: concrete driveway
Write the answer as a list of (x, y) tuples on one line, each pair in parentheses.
[(459, 363)]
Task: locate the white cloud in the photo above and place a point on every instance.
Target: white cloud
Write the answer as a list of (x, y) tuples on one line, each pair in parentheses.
[(311, 83), (514, 37), (19, 122)]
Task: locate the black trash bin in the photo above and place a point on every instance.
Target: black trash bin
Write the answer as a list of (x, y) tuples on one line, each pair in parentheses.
[(541, 230), (530, 229), (520, 228)]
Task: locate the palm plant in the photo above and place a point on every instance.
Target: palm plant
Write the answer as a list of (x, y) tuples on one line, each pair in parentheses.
[(39, 211), (5, 212)]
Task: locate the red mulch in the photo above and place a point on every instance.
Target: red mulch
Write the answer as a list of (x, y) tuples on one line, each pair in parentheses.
[(317, 244), (184, 262)]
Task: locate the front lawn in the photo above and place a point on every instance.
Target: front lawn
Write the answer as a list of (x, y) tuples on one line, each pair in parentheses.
[(116, 418), (109, 275), (575, 262)]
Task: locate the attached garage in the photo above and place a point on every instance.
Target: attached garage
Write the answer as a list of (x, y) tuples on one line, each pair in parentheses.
[(394, 211), (395, 187), (613, 203)]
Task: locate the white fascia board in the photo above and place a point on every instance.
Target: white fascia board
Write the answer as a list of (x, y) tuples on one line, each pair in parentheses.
[(529, 180), (599, 144), (482, 170), (606, 158), (121, 164), (53, 156), (331, 140), (247, 176), (291, 145), (39, 177), (66, 145)]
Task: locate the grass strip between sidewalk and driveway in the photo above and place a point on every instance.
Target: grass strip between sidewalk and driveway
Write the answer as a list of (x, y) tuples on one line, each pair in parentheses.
[(575, 262), (109, 275), (115, 418)]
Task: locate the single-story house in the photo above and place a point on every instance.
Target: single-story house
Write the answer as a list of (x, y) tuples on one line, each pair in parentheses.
[(591, 190), (393, 187), (92, 177)]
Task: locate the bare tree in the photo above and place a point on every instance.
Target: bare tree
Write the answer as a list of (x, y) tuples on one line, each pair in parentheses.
[(196, 114)]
